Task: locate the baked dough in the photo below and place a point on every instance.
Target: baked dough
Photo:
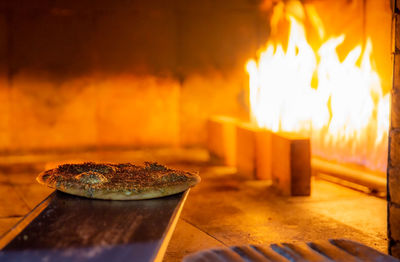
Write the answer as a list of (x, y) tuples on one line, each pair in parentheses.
[(118, 181)]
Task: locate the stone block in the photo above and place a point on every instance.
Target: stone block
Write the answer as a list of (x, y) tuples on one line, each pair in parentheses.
[(395, 108), (394, 221), (137, 111), (291, 164), (396, 72), (130, 5), (394, 249), (203, 96), (394, 184), (3, 42), (221, 138), (138, 41), (59, 116), (23, 5), (219, 5), (394, 154), (82, 6), (396, 31), (4, 87), (5, 133), (59, 44), (224, 41)]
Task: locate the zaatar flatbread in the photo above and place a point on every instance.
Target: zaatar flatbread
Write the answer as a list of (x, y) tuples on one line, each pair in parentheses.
[(118, 181)]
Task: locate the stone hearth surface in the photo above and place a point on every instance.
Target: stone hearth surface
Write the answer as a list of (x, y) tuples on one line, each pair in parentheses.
[(224, 209)]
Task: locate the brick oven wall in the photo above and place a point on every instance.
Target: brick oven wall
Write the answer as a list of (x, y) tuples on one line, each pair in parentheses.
[(77, 74), (394, 143), (127, 73)]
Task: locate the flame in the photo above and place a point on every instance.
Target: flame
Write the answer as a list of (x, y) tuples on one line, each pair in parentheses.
[(280, 83), (346, 114)]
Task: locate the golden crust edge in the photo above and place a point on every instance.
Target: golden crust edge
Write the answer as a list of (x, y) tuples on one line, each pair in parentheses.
[(118, 195), (40, 179)]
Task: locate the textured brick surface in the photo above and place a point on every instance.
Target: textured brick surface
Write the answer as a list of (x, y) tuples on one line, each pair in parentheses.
[(4, 90), (394, 214), (60, 44), (396, 32), (394, 154), (395, 249), (226, 39), (188, 40), (202, 96), (396, 72), (137, 111), (3, 43), (61, 115), (144, 36), (139, 41), (395, 111), (238, 5), (394, 184)]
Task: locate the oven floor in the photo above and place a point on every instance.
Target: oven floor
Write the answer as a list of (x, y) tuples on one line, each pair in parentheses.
[(225, 210)]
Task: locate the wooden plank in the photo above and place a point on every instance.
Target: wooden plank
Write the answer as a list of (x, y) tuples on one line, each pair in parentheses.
[(69, 228), (291, 164), (263, 155), (246, 149), (253, 151)]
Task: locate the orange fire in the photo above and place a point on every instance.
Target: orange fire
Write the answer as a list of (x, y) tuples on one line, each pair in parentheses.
[(346, 114)]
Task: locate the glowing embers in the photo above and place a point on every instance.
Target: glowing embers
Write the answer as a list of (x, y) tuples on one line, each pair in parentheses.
[(339, 104)]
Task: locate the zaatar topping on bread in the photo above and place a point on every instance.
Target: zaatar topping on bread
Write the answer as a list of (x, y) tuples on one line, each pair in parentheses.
[(106, 181)]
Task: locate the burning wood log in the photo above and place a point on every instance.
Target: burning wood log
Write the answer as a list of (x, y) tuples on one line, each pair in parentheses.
[(221, 139), (246, 149), (263, 154), (291, 164)]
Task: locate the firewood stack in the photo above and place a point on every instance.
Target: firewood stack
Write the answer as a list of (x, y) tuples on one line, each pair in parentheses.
[(261, 154)]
